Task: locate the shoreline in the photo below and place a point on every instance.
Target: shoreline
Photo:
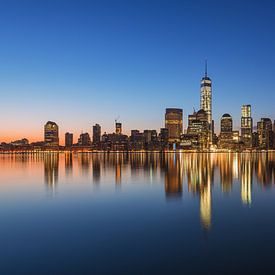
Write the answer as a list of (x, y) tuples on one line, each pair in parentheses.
[(34, 152)]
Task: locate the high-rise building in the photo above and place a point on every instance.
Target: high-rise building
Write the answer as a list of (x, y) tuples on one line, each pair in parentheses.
[(84, 140), (226, 135), (51, 137), (246, 125), (206, 100), (198, 125), (96, 134), (150, 136), (163, 135), (118, 128), (136, 140), (69, 139), (265, 133), (226, 124), (173, 122)]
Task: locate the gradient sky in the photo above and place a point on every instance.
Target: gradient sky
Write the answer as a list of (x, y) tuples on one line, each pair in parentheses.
[(84, 62)]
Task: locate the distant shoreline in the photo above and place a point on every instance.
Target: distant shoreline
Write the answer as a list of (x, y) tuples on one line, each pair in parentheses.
[(32, 152)]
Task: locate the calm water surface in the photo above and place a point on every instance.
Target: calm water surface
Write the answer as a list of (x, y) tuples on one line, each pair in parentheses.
[(137, 213)]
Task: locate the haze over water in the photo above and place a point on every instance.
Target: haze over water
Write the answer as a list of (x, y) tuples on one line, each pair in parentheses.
[(137, 213)]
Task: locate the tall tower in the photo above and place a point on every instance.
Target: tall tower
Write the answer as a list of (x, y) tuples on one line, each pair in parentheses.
[(246, 125), (118, 128), (96, 134), (173, 122), (206, 99)]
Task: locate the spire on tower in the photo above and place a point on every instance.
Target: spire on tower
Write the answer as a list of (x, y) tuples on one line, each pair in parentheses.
[(205, 67)]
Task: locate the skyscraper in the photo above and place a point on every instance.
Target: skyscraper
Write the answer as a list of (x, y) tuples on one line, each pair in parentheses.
[(265, 133), (206, 99), (84, 140), (246, 125), (226, 124), (226, 135), (51, 134), (96, 134), (198, 125), (68, 139), (173, 122), (118, 128)]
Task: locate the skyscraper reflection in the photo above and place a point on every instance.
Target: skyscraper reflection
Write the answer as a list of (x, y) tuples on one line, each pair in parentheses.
[(200, 175), (96, 163), (205, 206), (198, 172), (226, 172), (51, 162), (68, 164), (84, 163), (173, 176), (265, 169), (246, 179)]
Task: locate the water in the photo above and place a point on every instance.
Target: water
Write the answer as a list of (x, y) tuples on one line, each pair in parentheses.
[(137, 213)]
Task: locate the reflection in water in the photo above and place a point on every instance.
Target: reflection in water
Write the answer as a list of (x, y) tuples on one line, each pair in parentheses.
[(68, 164), (200, 175), (246, 179), (175, 170), (226, 173), (205, 206), (118, 173), (51, 162), (173, 176), (84, 162), (96, 168)]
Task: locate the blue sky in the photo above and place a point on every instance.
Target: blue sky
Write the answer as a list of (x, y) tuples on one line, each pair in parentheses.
[(84, 62)]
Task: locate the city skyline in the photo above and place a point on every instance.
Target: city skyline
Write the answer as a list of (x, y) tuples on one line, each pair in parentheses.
[(205, 105), (84, 64)]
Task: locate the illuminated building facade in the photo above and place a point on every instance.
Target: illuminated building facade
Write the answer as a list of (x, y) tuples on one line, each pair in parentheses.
[(226, 135), (206, 100), (51, 137), (198, 125), (246, 125), (174, 123), (265, 133), (118, 128)]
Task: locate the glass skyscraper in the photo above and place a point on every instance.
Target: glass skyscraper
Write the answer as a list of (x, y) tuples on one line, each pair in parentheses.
[(206, 100)]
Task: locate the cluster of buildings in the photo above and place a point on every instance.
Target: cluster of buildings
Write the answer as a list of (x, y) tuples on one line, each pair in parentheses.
[(199, 135)]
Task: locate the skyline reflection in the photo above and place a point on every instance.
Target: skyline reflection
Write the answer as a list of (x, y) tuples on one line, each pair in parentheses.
[(190, 173)]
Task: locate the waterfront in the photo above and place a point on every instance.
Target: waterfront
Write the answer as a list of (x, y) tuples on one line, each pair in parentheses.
[(137, 213)]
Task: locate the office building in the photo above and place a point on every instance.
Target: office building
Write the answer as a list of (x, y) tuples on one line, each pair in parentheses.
[(136, 140), (246, 126), (198, 125), (84, 140), (206, 100), (174, 123), (51, 137), (118, 128), (96, 134), (265, 133), (226, 134), (69, 140)]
